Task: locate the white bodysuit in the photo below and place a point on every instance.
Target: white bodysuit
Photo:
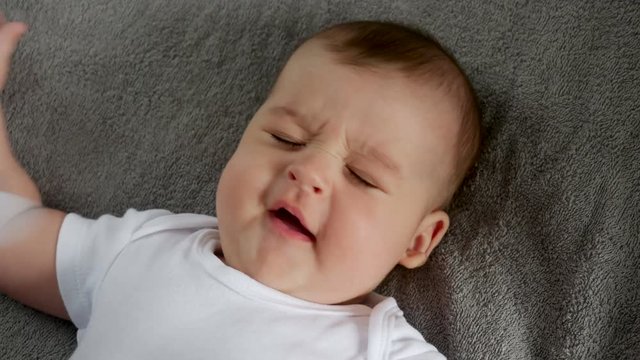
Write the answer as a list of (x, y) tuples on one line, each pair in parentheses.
[(149, 286)]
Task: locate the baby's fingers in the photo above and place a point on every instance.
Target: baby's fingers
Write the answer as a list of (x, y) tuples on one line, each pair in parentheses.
[(10, 34)]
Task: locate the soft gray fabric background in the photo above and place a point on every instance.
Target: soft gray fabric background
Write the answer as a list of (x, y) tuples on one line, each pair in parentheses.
[(118, 104)]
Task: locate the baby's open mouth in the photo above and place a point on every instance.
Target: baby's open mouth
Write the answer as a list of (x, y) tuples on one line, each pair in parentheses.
[(292, 222)]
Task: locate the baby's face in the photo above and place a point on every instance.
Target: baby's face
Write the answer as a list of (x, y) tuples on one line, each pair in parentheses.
[(335, 179)]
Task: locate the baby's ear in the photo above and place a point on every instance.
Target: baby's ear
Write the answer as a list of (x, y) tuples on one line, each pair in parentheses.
[(427, 237)]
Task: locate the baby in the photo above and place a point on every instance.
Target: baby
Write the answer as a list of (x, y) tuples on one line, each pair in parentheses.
[(342, 173)]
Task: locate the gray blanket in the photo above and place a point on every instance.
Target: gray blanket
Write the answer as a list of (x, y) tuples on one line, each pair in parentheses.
[(118, 104)]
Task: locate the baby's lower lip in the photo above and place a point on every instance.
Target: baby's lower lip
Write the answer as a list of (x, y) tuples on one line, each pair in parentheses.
[(287, 230)]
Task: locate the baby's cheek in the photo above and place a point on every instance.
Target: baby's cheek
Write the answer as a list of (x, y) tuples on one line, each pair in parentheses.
[(249, 178), (376, 223), (353, 221), (230, 187)]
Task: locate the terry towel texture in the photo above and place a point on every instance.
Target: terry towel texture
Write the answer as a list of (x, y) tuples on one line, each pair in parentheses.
[(118, 104)]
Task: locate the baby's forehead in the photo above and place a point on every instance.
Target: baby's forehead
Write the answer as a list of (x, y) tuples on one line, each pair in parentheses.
[(439, 73), (315, 83)]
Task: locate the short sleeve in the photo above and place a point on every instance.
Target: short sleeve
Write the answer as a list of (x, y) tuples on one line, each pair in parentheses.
[(85, 251), (408, 344), (391, 337)]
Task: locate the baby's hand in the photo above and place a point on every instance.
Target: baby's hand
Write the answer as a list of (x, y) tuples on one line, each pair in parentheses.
[(10, 34)]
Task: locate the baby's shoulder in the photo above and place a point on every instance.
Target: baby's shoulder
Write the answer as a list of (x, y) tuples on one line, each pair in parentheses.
[(168, 221)]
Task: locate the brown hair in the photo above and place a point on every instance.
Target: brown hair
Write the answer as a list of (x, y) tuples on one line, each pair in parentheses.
[(372, 44)]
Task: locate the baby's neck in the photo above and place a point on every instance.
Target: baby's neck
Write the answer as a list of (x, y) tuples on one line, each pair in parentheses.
[(218, 252), (366, 299), (362, 300)]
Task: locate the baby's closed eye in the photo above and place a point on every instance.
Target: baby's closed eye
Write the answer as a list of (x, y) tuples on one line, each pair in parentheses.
[(287, 141)]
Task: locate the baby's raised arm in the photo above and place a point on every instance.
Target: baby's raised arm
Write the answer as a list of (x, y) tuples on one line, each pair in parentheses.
[(28, 231)]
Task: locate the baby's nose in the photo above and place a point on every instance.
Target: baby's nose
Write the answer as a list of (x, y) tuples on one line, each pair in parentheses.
[(306, 180), (312, 172)]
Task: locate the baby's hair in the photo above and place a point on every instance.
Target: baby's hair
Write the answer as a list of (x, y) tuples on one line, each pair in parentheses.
[(372, 44)]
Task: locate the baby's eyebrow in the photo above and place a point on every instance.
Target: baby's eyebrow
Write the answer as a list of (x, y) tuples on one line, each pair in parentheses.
[(299, 118), (287, 111), (382, 158)]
